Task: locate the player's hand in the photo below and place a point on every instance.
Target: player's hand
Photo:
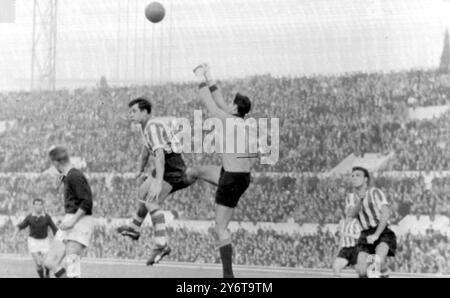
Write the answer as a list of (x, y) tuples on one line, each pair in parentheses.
[(372, 238), (67, 225), (155, 190), (200, 70)]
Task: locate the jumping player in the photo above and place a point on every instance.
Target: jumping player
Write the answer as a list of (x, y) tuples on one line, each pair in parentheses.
[(371, 209), (73, 236), (170, 174), (38, 240), (234, 176)]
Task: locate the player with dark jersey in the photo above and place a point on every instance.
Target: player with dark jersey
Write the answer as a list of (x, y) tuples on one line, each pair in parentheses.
[(38, 240), (76, 228)]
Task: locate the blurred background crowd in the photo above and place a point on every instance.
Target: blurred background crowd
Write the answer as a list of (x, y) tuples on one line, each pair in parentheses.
[(322, 121)]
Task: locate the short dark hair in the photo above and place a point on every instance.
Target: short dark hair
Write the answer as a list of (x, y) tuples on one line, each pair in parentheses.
[(244, 104), (59, 154), (364, 170), (143, 104), (38, 200)]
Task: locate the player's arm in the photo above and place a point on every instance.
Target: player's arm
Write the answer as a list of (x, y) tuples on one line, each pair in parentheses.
[(82, 192), (145, 156), (214, 89), (22, 225), (205, 96), (159, 164), (382, 203), (52, 225)]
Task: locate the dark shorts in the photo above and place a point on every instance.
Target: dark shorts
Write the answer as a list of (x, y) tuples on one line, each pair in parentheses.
[(350, 254), (231, 187), (387, 236), (174, 172)]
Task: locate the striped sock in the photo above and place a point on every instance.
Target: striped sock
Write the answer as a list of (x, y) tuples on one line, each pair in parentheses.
[(139, 217), (159, 225)]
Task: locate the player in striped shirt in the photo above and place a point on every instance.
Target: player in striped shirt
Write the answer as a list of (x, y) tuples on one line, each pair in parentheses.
[(371, 208), (170, 174), (349, 233)]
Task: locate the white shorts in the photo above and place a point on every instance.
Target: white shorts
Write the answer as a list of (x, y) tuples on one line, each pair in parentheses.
[(81, 232), (38, 245)]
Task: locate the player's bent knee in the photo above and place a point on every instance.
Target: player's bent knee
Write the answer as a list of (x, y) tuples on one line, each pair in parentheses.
[(382, 251), (222, 233), (192, 174), (152, 207), (50, 263)]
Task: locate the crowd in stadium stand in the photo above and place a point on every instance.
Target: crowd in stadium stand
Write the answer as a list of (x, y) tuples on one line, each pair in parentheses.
[(300, 199), (323, 119), (427, 253)]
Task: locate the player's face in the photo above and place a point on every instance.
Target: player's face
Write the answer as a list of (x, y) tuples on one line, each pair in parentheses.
[(38, 207), (358, 178), (57, 166), (135, 115)]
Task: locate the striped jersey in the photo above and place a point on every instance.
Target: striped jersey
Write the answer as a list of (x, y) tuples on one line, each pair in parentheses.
[(372, 203), (160, 133), (349, 231)]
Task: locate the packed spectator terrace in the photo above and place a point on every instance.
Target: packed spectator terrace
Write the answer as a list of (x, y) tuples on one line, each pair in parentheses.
[(322, 121)]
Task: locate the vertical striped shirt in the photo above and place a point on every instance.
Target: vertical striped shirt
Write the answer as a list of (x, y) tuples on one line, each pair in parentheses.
[(160, 133), (372, 203), (349, 231)]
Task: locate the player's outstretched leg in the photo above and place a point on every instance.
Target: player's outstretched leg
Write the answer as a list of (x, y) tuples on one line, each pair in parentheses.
[(223, 217), (208, 173), (132, 230)]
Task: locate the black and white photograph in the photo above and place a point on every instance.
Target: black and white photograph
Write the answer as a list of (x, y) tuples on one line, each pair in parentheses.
[(224, 140)]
